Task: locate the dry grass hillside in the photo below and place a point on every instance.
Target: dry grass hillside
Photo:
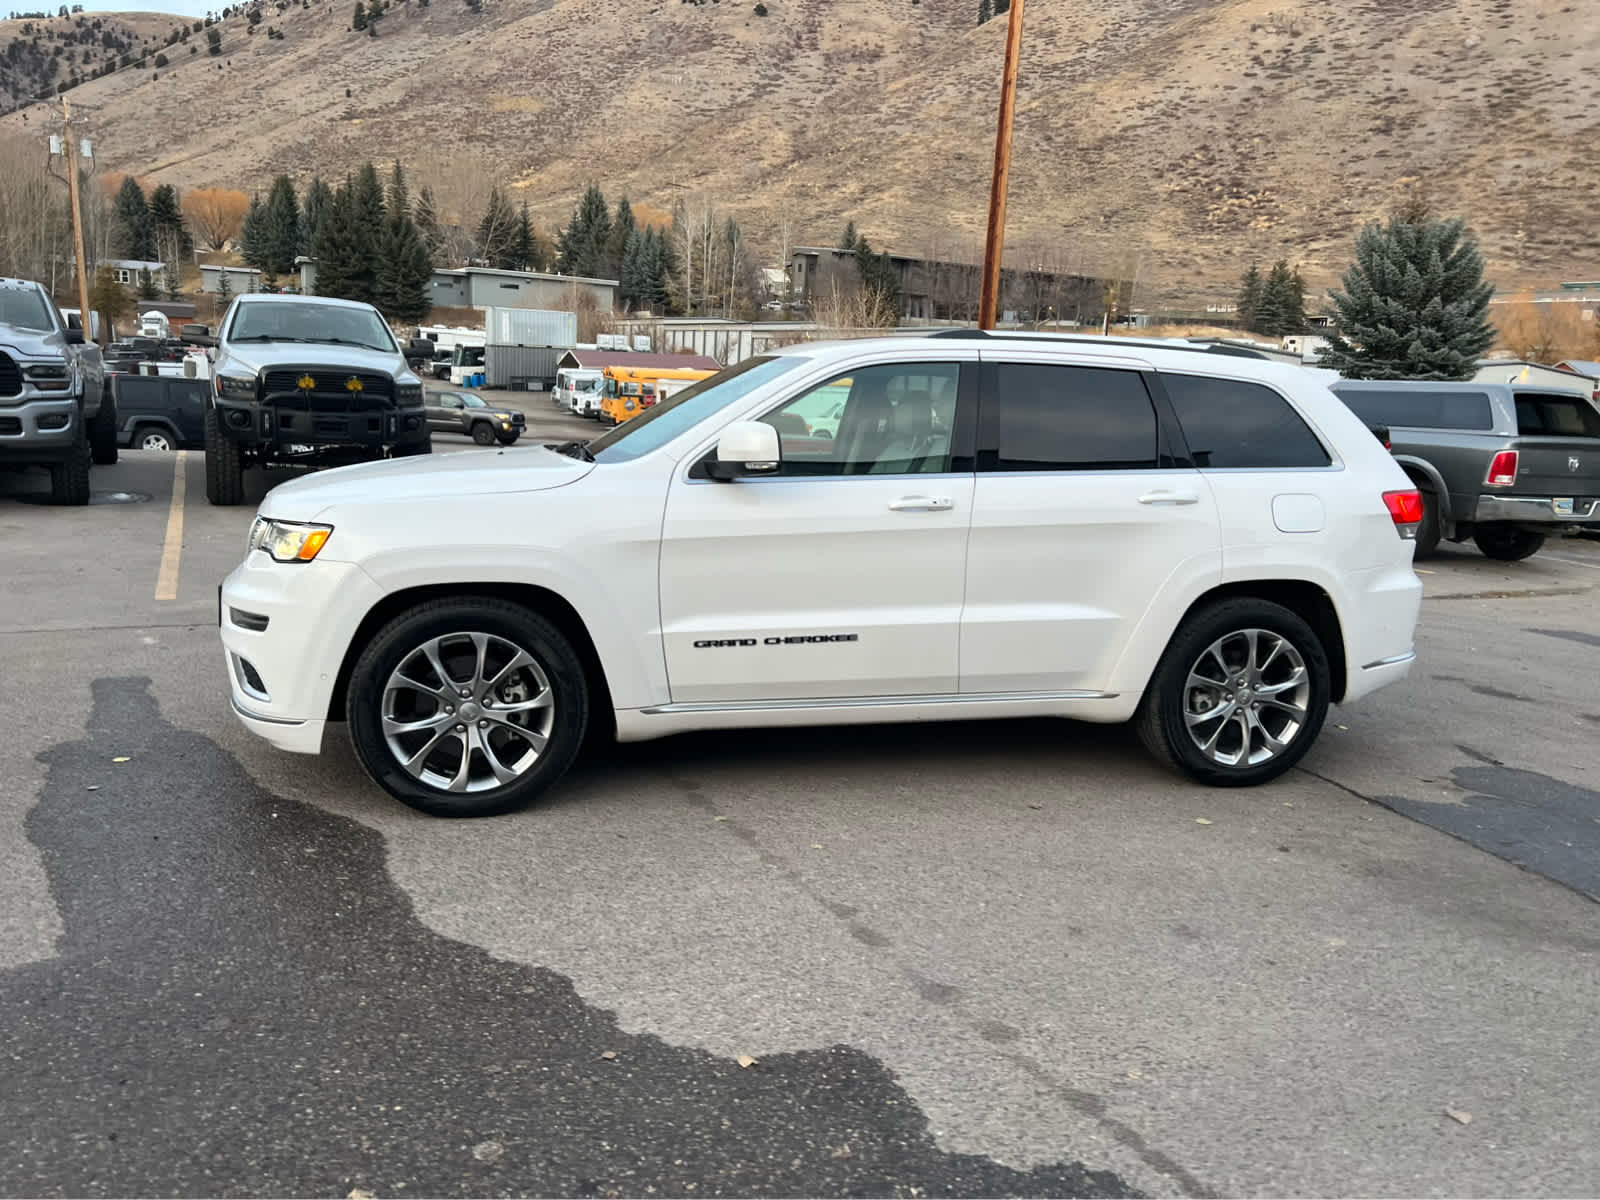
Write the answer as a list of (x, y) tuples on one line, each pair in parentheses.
[(1177, 139)]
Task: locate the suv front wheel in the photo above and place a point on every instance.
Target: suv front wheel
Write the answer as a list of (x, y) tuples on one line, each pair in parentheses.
[(467, 707), (1239, 696)]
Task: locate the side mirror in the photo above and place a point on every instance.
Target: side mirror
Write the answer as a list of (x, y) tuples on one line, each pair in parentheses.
[(74, 337), (746, 448)]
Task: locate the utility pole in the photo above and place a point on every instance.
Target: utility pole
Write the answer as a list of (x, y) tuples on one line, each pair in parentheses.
[(71, 147), (994, 248)]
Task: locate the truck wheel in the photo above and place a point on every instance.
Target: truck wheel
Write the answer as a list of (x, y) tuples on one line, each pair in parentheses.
[(224, 465), (103, 432), (483, 433), (152, 437), (509, 439), (69, 479), (1507, 544), (467, 707), (1239, 695)]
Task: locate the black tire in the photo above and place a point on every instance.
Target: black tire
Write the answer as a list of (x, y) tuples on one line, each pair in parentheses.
[(1507, 543), (483, 433), (224, 465), (103, 432), (524, 629), (69, 479), (510, 439), (153, 434), (1160, 719), (1428, 530)]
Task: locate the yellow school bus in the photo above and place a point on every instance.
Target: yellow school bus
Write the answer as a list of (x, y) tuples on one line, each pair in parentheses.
[(628, 391)]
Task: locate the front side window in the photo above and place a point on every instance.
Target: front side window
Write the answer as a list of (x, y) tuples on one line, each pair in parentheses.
[(895, 419), (450, 401), (667, 420), (1229, 424), (1043, 417)]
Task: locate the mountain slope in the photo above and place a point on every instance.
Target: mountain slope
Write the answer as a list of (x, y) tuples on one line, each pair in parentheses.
[(1175, 138)]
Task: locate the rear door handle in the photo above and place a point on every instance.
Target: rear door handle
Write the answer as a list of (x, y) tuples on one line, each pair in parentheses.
[(1169, 499), (921, 504)]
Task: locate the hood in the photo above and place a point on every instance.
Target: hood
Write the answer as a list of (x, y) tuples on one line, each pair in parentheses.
[(261, 356), (32, 343), (444, 476)]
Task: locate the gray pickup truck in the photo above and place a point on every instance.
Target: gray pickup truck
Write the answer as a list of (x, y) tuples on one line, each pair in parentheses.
[(54, 409), (1501, 463)]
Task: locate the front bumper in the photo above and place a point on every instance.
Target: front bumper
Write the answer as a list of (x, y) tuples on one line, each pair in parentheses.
[(285, 629), (285, 420), (1538, 510), (38, 430)]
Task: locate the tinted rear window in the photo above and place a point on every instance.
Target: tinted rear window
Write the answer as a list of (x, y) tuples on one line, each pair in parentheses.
[(1053, 418), (1556, 416), (1233, 424), (1416, 408)]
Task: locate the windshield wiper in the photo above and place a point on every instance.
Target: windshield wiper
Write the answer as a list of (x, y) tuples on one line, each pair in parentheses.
[(267, 337), (334, 341), (578, 450)]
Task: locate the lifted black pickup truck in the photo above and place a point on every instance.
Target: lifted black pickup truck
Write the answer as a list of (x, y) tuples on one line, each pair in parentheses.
[(1500, 463)]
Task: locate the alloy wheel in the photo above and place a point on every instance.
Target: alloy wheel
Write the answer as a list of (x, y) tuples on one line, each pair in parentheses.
[(1246, 698)]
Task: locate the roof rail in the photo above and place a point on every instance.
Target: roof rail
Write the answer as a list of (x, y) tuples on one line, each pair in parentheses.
[(1193, 345)]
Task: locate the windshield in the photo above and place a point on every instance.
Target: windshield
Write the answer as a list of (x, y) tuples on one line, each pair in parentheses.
[(659, 425), (586, 385), (24, 308), (310, 322)]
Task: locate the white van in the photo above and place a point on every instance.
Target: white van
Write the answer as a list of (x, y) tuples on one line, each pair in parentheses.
[(578, 389)]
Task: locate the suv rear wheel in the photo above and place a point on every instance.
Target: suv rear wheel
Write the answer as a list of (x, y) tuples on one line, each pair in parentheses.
[(224, 464), (467, 707), (1507, 544), (1239, 696)]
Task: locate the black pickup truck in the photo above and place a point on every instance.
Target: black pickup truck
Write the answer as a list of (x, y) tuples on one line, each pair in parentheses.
[(1501, 463)]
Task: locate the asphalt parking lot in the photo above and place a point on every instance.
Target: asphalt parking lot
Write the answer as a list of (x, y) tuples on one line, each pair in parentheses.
[(966, 959)]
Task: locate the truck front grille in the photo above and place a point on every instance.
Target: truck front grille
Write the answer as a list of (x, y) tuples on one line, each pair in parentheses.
[(10, 377), (332, 392)]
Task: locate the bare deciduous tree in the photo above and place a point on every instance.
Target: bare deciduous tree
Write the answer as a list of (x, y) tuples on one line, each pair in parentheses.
[(215, 215)]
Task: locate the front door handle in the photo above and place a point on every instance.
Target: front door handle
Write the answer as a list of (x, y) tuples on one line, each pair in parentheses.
[(1169, 499), (921, 504)]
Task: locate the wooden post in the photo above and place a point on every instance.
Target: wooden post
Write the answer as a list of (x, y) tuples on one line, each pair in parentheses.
[(994, 247), (71, 147)]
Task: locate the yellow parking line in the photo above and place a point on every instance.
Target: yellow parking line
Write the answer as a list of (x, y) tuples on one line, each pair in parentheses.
[(172, 550)]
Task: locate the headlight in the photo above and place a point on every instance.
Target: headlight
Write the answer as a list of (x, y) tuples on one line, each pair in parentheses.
[(48, 377), (288, 541), (408, 393), (243, 386)]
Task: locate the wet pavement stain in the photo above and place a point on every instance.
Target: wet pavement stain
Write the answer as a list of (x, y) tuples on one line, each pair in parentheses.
[(1536, 821), (244, 1003)]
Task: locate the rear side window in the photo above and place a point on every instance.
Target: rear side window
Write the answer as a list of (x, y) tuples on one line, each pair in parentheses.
[(1556, 416), (1420, 409), (1232, 424), (1060, 418)]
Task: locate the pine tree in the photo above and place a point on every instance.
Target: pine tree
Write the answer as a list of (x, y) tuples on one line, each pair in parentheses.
[(399, 198), (346, 246), (524, 248), (1001, 7), (583, 244), (622, 228), (401, 286), (167, 217), (224, 292), (280, 229), (497, 232), (985, 11), (1281, 308), (318, 196), (426, 219), (630, 273), (359, 21), (850, 239), (134, 229), (1249, 298), (253, 237), (147, 286), (1414, 304)]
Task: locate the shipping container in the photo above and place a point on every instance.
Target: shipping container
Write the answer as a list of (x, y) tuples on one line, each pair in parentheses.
[(521, 368), (531, 327)]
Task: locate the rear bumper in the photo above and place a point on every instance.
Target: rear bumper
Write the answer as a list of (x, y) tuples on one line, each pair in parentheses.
[(1537, 510)]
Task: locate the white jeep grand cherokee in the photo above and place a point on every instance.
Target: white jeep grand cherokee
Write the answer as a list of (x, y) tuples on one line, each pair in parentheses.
[(991, 526)]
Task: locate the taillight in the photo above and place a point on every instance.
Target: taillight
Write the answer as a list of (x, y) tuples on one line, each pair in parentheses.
[(1405, 508), (1503, 470)]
